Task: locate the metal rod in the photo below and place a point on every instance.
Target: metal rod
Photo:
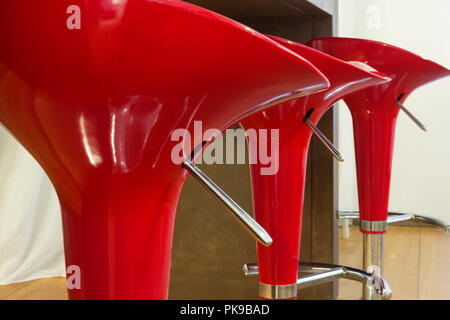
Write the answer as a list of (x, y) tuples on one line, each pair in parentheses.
[(373, 262), (250, 269), (327, 143), (395, 217), (410, 115), (236, 211), (440, 223), (347, 214), (324, 272), (400, 218), (320, 278)]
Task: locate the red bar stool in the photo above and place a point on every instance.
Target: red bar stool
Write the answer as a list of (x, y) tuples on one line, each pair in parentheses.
[(374, 112), (278, 197), (97, 107)]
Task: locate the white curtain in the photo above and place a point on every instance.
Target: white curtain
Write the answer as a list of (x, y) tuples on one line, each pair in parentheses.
[(30, 219)]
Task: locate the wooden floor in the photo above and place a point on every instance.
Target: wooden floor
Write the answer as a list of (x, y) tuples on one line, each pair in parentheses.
[(417, 266), (41, 289), (417, 263)]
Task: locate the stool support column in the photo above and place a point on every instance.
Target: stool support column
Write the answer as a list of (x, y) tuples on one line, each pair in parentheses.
[(373, 261)]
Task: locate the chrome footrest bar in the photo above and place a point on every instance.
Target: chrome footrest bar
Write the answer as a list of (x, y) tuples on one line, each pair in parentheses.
[(347, 214), (409, 114), (236, 211), (396, 217), (440, 223), (320, 273), (327, 143)]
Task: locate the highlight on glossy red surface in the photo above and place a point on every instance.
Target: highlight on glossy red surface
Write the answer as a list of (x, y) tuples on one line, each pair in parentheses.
[(278, 198), (374, 112), (96, 107)]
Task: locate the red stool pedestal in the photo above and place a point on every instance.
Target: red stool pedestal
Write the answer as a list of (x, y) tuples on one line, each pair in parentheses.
[(374, 112), (96, 107), (278, 197)]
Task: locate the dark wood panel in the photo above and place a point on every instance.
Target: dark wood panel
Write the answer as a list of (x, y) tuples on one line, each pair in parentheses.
[(324, 188), (289, 28), (260, 8)]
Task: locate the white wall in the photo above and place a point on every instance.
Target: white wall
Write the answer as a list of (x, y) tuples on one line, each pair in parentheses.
[(30, 219), (421, 167)]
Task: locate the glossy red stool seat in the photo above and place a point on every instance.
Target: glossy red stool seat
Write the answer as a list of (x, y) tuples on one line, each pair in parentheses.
[(278, 197), (97, 106), (374, 112)]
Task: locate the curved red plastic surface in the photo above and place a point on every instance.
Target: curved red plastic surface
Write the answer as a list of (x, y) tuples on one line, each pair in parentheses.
[(375, 112), (278, 198), (96, 107)]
